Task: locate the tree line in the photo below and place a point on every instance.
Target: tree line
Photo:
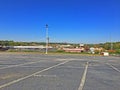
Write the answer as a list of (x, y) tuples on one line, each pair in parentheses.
[(107, 45)]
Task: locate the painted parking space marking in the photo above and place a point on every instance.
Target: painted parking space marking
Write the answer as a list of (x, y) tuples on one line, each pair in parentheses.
[(50, 76), (83, 77), (19, 65), (23, 78), (113, 67), (73, 67)]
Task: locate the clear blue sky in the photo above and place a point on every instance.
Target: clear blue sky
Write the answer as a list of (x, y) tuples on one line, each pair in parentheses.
[(76, 21)]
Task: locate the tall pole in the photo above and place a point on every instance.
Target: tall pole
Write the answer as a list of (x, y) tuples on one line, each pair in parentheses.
[(47, 39), (111, 44)]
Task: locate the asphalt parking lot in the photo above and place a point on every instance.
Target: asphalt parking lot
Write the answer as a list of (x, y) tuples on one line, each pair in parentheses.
[(59, 72)]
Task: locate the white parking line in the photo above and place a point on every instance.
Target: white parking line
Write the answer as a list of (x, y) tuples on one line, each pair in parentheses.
[(83, 77), (19, 65), (113, 67), (51, 76), (23, 78), (72, 67), (62, 59)]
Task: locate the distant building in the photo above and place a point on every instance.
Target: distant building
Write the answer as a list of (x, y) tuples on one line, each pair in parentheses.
[(81, 45), (74, 49), (105, 53), (3, 48), (31, 48), (64, 46), (93, 50)]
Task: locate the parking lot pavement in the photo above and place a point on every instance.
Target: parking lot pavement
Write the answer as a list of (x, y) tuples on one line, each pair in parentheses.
[(63, 77), (58, 72), (100, 76)]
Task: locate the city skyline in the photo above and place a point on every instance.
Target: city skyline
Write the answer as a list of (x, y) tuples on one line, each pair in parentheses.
[(72, 21)]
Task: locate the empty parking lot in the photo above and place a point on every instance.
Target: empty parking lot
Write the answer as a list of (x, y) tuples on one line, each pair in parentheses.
[(58, 72)]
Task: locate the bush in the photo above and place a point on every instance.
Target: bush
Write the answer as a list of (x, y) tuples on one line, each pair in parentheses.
[(118, 51), (60, 51)]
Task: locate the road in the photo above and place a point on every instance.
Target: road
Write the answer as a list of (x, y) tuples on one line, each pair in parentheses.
[(59, 72)]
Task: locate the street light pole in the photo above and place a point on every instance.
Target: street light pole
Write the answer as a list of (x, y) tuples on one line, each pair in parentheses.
[(47, 39), (111, 44)]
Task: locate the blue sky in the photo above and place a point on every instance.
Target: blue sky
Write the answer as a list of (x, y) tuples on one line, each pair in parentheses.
[(75, 21)]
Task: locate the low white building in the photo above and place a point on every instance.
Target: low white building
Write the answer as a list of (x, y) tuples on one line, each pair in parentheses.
[(105, 53), (31, 48), (74, 49)]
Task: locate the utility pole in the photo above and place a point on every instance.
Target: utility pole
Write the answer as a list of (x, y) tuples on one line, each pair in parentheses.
[(47, 39)]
